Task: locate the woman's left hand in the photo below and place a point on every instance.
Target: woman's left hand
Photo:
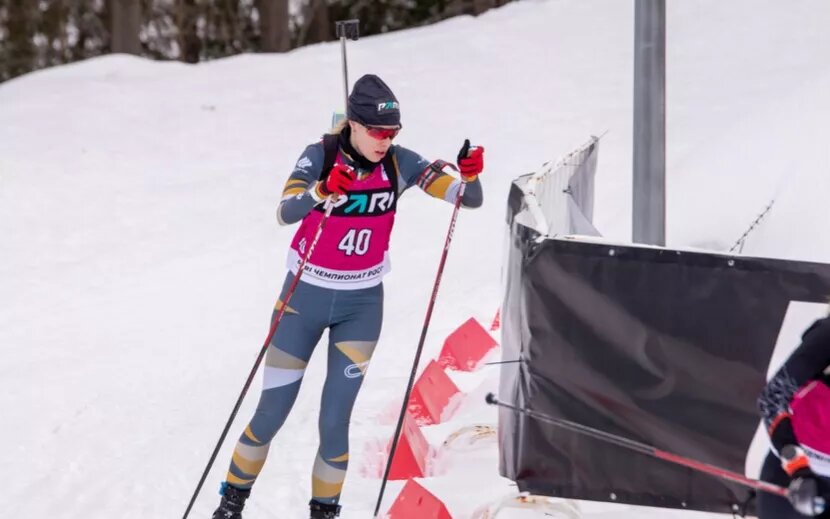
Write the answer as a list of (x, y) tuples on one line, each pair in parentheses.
[(470, 161)]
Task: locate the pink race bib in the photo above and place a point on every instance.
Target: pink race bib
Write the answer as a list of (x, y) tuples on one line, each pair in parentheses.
[(352, 251)]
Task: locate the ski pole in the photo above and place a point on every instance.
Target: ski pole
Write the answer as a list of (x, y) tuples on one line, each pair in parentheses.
[(420, 347), (645, 449), (262, 351)]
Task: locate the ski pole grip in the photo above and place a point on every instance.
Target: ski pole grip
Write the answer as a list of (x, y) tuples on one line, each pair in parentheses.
[(464, 151), (491, 399), (349, 29)]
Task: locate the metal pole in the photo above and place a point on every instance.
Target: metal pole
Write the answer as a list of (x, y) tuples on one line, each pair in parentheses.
[(649, 216), (346, 29), (345, 73)]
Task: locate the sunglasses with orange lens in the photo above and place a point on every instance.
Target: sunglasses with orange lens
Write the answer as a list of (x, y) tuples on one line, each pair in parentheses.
[(382, 133)]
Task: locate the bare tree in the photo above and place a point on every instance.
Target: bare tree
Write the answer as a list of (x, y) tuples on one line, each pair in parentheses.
[(321, 27), (88, 29), (160, 29), (474, 7), (189, 41), (125, 24), (480, 6), (315, 23), (273, 24), (19, 52)]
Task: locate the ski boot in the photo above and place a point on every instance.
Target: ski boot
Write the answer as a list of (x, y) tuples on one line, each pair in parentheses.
[(233, 501), (323, 510)]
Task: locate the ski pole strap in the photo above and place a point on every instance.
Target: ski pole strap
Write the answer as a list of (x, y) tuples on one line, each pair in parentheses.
[(439, 165)]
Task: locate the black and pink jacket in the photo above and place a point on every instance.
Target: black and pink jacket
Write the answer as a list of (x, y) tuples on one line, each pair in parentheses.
[(795, 404)]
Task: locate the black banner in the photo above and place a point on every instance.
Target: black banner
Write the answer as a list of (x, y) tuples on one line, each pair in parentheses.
[(665, 347)]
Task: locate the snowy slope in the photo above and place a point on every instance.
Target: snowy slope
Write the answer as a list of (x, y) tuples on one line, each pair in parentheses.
[(141, 258)]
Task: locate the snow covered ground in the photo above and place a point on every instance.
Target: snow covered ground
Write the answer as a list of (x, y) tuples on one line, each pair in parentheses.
[(140, 257)]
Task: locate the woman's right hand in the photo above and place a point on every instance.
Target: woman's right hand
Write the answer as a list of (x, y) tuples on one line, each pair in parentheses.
[(338, 182)]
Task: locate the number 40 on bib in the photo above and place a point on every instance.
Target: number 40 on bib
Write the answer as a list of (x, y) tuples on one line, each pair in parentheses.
[(355, 242)]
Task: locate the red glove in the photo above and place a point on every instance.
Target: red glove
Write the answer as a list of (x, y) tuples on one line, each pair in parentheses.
[(338, 182), (470, 161)]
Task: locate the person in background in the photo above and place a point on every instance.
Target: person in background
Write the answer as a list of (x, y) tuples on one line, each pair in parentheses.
[(795, 406)]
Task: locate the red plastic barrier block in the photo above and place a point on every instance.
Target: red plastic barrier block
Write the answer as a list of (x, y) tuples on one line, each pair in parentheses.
[(411, 454), (415, 501), (496, 324), (431, 394), (466, 346)]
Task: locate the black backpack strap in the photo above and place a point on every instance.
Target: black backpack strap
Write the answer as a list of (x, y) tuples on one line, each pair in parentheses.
[(390, 166), (330, 147)]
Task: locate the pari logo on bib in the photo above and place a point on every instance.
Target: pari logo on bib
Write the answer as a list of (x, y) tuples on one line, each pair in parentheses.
[(372, 202)]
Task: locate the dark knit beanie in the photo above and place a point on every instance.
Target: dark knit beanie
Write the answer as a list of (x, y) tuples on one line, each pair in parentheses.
[(372, 103)]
